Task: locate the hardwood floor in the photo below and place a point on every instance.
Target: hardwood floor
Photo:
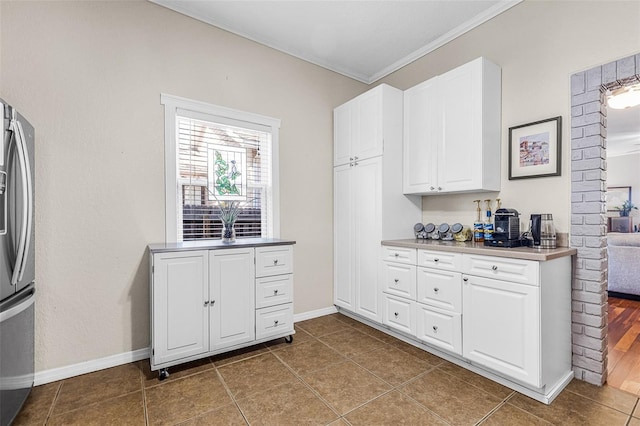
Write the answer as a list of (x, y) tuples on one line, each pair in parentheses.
[(624, 345)]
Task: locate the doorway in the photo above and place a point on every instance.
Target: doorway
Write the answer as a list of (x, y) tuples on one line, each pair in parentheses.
[(588, 213)]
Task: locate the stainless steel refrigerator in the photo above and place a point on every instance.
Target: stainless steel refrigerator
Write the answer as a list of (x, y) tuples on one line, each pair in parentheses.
[(17, 262)]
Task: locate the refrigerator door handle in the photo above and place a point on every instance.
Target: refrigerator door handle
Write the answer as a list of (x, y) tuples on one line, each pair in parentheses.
[(29, 214), (25, 175), (20, 305)]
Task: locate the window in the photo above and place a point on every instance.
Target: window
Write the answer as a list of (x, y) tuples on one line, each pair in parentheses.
[(215, 154)]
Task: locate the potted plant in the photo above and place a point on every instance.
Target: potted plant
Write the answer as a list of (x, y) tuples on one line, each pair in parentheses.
[(626, 207)]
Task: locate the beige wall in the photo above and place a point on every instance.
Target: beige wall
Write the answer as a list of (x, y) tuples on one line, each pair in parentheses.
[(538, 44), (89, 75)]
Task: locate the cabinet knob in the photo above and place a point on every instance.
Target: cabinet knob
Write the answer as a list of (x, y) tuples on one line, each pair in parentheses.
[(275, 261), (432, 188), (350, 158), (350, 164), (494, 267), (355, 163), (396, 314), (206, 303), (439, 188), (275, 323), (355, 158), (435, 328), (465, 279), (436, 289), (396, 280), (275, 292), (396, 255), (436, 260)]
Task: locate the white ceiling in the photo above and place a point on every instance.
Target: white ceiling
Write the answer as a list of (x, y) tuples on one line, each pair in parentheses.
[(367, 40), (364, 40)]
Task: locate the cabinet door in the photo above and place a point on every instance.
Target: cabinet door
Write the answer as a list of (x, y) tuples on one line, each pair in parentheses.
[(501, 323), (232, 289), (367, 140), (179, 290), (342, 133), (367, 223), (343, 247), (422, 133)]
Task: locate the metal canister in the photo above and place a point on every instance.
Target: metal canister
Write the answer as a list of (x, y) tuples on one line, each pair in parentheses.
[(429, 229)]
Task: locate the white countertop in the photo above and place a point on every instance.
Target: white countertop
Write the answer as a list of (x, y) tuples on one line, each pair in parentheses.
[(526, 253)]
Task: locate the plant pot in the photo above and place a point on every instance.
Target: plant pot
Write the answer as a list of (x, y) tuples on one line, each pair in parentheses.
[(228, 232), (624, 213)]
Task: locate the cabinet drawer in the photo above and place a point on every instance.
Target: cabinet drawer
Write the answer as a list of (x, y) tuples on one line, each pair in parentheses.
[(440, 260), (274, 260), (502, 268), (399, 279), (276, 290), (442, 289), (274, 321), (440, 328), (399, 254), (399, 314)]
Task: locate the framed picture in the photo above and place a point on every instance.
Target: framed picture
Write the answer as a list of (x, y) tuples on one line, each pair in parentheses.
[(616, 196), (535, 149)]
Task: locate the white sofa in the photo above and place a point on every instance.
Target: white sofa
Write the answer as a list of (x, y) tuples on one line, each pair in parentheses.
[(624, 262)]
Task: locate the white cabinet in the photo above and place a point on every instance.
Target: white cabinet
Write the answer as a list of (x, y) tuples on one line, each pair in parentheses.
[(231, 281), (358, 127), (452, 134), (368, 202), (180, 290), (205, 302), (502, 327)]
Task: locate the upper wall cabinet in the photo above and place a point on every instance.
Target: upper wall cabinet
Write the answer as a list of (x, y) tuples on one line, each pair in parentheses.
[(452, 131), (358, 127)]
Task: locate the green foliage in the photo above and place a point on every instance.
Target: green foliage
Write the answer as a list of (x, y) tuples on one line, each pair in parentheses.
[(225, 180)]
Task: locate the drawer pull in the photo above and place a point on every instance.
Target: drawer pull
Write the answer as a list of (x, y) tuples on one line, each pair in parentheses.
[(435, 328), (396, 255), (465, 279), (436, 289), (396, 280), (206, 303), (275, 323), (494, 267), (275, 261), (275, 292), (436, 260), (396, 314)]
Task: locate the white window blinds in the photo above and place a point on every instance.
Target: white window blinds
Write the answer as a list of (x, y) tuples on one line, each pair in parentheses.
[(221, 159)]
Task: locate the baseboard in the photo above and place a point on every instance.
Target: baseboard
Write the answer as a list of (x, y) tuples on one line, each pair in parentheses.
[(61, 373), (314, 314)]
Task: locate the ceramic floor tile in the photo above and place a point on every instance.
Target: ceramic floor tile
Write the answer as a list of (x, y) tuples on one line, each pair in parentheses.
[(308, 356), (339, 422), (605, 395), (238, 355), (346, 385), (634, 421), (373, 332), (393, 408), (451, 398), (351, 342), (571, 409), (322, 325), (38, 404), (290, 404), (118, 411), (229, 415), (301, 336), (345, 319), (489, 386), (417, 352), (98, 386), (636, 412), (175, 372), (511, 415), (183, 399), (392, 365), (255, 375)]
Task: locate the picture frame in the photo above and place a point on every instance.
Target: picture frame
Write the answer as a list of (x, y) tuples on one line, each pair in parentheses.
[(535, 149), (615, 196)]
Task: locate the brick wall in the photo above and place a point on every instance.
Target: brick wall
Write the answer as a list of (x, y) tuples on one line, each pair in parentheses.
[(588, 221)]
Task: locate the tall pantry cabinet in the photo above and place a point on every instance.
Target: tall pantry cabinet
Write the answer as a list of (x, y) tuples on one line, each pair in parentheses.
[(368, 202)]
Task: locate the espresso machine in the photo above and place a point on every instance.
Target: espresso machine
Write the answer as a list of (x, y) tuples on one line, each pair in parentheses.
[(507, 229)]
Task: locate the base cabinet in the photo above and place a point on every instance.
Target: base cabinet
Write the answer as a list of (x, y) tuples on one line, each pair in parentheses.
[(504, 317), (205, 302)]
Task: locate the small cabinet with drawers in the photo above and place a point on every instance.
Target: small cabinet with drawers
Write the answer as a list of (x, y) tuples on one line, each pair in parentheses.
[(208, 300)]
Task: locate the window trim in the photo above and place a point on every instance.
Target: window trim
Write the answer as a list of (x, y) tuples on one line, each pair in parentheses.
[(171, 106)]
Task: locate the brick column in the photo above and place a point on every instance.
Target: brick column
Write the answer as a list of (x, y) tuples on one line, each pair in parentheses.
[(588, 219)]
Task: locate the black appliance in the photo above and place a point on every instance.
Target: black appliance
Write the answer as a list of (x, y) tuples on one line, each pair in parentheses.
[(536, 226), (507, 229)]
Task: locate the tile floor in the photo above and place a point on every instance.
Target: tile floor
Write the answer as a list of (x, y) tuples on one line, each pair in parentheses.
[(336, 372)]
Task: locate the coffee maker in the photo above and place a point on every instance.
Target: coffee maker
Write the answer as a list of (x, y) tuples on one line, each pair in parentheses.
[(507, 229)]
